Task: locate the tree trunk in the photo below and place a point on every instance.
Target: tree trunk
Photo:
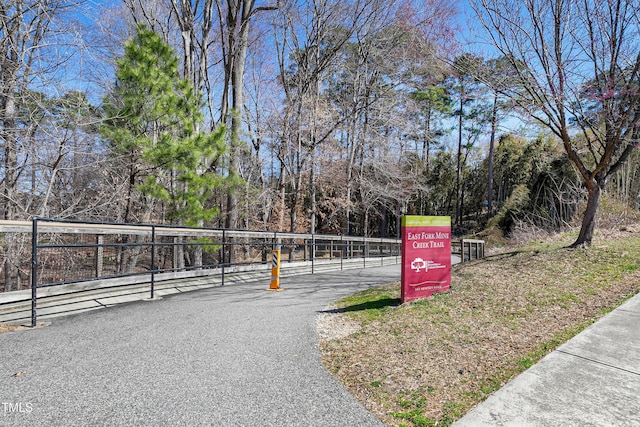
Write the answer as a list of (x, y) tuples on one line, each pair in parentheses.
[(314, 142), (458, 219), (10, 188), (295, 199), (383, 222), (589, 218), (234, 152), (237, 90), (494, 123), (135, 251), (283, 206), (313, 191)]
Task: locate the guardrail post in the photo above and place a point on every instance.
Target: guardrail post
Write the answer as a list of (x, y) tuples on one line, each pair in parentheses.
[(174, 250), (365, 251), (153, 260), (305, 243), (313, 252), (224, 250), (99, 255), (34, 269)]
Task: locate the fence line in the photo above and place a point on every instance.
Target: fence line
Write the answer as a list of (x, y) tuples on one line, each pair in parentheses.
[(89, 256), (469, 249), (67, 252)]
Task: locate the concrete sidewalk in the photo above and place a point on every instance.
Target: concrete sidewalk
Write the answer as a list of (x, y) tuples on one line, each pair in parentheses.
[(228, 356), (592, 380)]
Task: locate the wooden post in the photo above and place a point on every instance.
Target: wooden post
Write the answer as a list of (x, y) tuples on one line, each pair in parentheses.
[(99, 255)]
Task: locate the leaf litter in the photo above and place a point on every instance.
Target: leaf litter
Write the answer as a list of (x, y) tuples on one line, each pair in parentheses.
[(430, 361)]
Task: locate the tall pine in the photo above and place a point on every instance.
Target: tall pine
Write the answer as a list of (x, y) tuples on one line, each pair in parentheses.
[(153, 120)]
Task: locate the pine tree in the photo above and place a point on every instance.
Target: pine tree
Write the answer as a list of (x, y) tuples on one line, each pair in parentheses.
[(153, 117)]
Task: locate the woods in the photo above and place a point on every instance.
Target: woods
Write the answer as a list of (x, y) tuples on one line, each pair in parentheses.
[(320, 115)]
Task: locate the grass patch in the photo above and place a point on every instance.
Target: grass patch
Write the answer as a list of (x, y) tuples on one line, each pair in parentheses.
[(439, 357), (368, 305)]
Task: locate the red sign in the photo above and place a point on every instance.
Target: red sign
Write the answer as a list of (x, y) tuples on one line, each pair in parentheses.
[(426, 256)]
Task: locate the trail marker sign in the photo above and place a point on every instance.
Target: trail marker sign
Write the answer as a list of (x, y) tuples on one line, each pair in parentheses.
[(426, 256)]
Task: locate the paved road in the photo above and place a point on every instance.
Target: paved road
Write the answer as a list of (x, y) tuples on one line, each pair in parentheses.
[(231, 356)]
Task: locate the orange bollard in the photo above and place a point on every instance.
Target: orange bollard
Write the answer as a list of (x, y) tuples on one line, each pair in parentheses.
[(275, 270)]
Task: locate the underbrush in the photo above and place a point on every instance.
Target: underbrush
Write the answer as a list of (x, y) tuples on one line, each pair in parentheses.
[(614, 216)]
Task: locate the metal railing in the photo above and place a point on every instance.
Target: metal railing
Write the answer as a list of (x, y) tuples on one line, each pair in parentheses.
[(72, 257), (65, 252)]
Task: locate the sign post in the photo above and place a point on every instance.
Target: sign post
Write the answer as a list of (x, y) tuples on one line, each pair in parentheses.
[(426, 256)]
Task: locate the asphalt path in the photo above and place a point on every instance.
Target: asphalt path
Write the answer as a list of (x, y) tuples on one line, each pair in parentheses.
[(229, 356)]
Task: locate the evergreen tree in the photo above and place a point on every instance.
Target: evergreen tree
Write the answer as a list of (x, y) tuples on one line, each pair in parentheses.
[(153, 117)]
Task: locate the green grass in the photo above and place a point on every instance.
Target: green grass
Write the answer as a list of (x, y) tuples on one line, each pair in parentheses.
[(368, 305)]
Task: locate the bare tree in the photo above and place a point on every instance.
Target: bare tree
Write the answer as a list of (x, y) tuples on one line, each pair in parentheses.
[(195, 22), (306, 50), (235, 17), (464, 69), (262, 96), (28, 31), (577, 67)]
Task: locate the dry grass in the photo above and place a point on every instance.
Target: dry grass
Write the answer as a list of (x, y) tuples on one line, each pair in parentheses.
[(7, 328), (430, 361)]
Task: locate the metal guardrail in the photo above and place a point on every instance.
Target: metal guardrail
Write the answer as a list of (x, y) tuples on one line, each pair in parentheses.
[(72, 257), (65, 252)]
